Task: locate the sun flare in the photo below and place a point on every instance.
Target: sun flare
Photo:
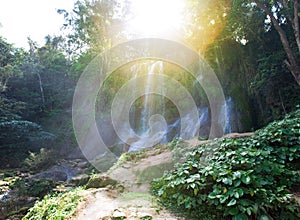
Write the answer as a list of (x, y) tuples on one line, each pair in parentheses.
[(155, 17)]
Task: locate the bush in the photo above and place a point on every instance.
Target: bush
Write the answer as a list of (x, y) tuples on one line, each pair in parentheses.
[(34, 187), (238, 178), (40, 161), (59, 206)]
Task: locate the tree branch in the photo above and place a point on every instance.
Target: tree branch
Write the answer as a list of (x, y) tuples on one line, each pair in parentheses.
[(292, 62)]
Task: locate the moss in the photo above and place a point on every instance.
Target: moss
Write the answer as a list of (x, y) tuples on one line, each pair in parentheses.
[(105, 163), (151, 173), (100, 181)]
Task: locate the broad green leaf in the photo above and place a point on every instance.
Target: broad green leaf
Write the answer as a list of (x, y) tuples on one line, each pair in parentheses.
[(233, 211), (240, 217), (246, 179), (227, 181), (236, 195), (223, 199), (232, 202)]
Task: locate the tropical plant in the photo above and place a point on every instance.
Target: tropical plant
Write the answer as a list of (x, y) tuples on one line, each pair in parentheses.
[(239, 178)]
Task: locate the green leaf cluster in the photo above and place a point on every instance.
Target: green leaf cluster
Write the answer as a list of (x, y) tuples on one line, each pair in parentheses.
[(59, 206), (246, 178)]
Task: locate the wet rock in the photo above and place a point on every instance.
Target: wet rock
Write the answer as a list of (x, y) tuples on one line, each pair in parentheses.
[(54, 175), (100, 181), (63, 171)]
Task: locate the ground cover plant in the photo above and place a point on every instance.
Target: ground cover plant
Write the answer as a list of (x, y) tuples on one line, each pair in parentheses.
[(249, 178)]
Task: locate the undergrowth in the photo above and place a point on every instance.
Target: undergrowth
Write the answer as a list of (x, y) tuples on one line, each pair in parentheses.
[(238, 179), (58, 206)]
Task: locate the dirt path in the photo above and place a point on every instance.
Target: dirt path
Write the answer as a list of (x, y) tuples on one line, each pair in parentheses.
[(135, 202), (128, 205)]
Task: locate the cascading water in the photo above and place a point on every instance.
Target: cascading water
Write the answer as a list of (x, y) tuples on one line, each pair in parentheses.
[(151, 102), (230, 117), (190, 130)]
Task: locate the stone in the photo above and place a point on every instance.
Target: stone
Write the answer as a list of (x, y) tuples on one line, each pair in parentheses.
[(100, 181), (53, 174), (80, 180), (144, 216), (82, 164), (3, 183), (117, 214)]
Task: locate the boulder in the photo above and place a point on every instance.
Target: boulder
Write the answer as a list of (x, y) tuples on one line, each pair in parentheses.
[(117, 214), (53, 175), (100, 181), (80, 180)]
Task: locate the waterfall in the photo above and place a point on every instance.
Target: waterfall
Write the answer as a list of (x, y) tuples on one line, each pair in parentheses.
[(151, 103), (141, 136), (230, 117)]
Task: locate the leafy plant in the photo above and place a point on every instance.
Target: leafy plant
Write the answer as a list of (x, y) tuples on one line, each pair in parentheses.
[(34, 187), (239, 178), (41, 160), (58, 206)]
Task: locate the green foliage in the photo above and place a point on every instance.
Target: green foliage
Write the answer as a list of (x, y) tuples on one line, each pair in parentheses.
[(90, 22), (175, 143), (16, 131), (34, 187), (239, 178), (58, 206), (274, 86), (39, 161), (21, 101)]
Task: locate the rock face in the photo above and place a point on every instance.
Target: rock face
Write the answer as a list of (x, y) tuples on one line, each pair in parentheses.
[(100, 181), (63, 171), (55, 175)]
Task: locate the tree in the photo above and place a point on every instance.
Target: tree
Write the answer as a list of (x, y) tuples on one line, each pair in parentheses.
[(248, 58), (285, 12), (91, 24), (18, 135)]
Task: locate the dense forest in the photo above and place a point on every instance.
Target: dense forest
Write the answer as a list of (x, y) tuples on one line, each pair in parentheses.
[(252, 46)]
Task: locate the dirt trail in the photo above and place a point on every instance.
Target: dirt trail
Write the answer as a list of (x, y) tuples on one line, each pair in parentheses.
[(135, 202)]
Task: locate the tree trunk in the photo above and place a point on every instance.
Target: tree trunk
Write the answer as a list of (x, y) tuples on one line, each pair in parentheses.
[(41, 89), (291, 63), (296, 24)]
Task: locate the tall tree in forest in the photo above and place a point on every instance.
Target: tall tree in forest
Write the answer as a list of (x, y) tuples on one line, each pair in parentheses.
[(35, 68), (18, 135), (285, 12), (91, 25)]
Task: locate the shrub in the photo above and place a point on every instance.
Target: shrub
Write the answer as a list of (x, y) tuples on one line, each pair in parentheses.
[(59, 206), (238, 178), (34, 187), (40, 161)]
